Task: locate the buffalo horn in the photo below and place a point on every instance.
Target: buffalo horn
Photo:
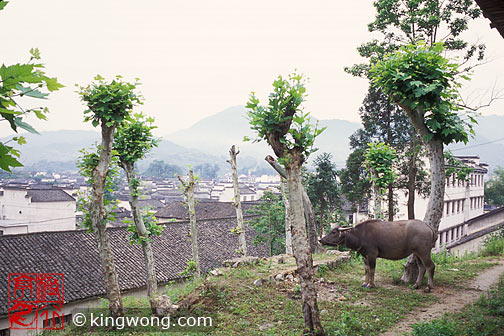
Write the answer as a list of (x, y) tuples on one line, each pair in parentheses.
[(344, 229)]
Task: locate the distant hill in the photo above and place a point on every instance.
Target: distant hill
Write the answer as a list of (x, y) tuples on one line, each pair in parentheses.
[(209, 140), (217, 133), (489, 128), (57, 150)]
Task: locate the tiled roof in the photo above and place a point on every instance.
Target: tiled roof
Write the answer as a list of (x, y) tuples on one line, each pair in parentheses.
[(152, 203), (74, 253), (204, 210), (49, 195)]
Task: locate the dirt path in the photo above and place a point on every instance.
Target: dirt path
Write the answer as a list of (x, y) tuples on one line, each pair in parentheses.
[(451, 300)]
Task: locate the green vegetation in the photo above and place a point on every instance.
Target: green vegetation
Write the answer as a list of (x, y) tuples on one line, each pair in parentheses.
[(494, 188), (494, 244), (484, 318)]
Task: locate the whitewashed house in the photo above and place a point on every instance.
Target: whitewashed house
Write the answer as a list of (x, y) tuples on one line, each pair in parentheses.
[(26, 210)]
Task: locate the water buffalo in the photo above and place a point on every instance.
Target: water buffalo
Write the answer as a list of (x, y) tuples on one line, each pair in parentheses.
[(389, 240)]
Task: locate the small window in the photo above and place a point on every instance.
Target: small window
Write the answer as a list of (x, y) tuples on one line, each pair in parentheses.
[(4, 332)]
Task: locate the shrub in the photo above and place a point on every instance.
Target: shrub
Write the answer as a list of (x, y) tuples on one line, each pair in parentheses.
[(493, 244), (441, 327)]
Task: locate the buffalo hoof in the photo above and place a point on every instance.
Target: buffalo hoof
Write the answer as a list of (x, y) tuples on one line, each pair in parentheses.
[(427, 289), (416, 286)]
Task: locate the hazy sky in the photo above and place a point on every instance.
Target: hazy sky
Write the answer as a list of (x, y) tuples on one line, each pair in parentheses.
[(196, 58)]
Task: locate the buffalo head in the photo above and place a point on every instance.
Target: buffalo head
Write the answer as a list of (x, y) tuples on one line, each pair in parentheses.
[(335, 237)]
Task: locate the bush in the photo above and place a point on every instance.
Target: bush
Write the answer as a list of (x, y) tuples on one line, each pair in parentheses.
[(434, 328), (493, 244)]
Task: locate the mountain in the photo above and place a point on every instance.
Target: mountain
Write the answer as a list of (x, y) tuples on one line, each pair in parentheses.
[(59, 150), (217, 133), (488, 129)]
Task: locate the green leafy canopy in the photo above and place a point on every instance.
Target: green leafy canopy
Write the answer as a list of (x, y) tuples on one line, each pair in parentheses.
[(420, 79), (109, 103), (379, 160), (18, 82), (283, 122)]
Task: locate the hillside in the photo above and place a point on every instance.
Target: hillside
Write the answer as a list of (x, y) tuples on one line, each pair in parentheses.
[(216, 134)]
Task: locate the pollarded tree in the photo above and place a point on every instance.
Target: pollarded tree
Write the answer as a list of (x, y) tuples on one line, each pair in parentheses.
[(424, 83), (132, 141), (240, 228), (286, 128), (108, 105), (379, 161), (188, 187)]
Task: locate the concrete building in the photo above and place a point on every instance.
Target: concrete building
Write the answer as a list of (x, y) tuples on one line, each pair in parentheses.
[(27, 210)]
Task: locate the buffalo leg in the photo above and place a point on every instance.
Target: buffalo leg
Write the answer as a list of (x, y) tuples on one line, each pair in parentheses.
[(429, 265), (421, 273), (366, 266), (372, 266)]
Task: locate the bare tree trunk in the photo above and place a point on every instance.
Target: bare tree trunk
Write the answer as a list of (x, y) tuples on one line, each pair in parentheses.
[(237, 202), (412, 171), (150, 270), (98, 215), (288, 236), (321, 224), (377, 199), (308, 208), (302, 252), (391, 202), (189, 195)]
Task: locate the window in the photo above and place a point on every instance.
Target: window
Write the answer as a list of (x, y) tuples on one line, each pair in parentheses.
[(4, 332), (453, 207), (458, 206), (447, 204)]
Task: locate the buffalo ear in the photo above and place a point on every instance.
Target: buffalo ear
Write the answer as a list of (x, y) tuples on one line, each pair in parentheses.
[(344, 229)]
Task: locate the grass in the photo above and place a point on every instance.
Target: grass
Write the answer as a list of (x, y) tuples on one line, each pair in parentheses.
[(484, 318), (241, 308)]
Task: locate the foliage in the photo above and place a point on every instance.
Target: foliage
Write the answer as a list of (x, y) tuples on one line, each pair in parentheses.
[(411, 21), (493, 244), (441, 327), (323, 188), (133, 138), (456, 167), (379, 160), (269, 222), (283, 123), (354, 184), (188, 272), (420, 79), (151, 226), (206, 170), (87, 163), (158, 168), (494, 188), (18, 82), (109, 103)]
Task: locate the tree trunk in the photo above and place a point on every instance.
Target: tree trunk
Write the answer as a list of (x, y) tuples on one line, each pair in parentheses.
[(322, 210), (377, 202), (189, 195), (98, 215), (288, 236), (412, 171), (436, 199), (237, 202), (308, 208), (150, 270), (391, 202), (302, 252)]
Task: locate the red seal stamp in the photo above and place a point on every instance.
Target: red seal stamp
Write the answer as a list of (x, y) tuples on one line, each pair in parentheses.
[(36, 300)]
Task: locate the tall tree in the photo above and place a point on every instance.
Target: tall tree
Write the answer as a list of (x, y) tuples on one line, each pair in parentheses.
[(494, 188), (354, 183), (323, 189), (288, 231), (379, 160), (18, 82), (108, 105), (132, 141), (270, 222), (424, 83), (286, 128), (188, 189), (160, 169), (240, 229)]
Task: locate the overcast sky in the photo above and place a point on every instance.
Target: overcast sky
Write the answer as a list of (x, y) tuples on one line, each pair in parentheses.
[(196, 58)]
